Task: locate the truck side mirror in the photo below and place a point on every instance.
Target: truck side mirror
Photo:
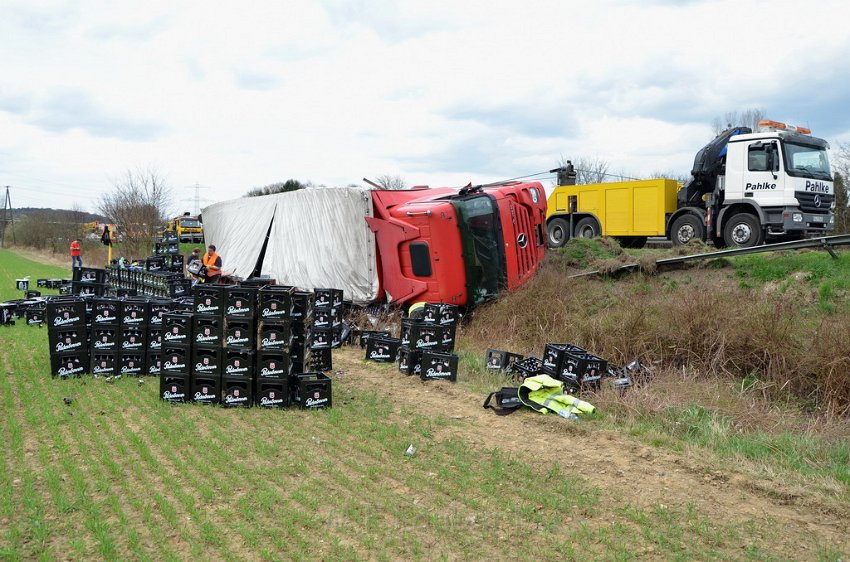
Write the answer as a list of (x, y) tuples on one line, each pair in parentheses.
[(772, 160)]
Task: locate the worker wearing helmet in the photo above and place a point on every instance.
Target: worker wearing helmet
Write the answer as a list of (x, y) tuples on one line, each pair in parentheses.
[(212, 261)]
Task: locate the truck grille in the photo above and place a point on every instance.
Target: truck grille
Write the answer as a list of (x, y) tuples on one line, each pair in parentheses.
[(808, 203), (525, 257)]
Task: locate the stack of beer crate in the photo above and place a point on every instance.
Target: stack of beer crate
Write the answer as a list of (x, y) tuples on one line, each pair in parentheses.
[(68, 337), (426, 344)]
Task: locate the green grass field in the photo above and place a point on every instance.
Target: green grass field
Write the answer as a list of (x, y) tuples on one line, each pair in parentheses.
[(119, 475)]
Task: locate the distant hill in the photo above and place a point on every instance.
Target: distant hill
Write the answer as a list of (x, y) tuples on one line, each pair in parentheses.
[(59, 214)]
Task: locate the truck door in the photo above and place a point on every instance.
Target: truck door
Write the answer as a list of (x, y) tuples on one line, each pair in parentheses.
[(763, 177)]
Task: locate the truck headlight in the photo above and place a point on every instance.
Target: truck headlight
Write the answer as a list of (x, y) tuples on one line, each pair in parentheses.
[(797, 217), (832, 220)]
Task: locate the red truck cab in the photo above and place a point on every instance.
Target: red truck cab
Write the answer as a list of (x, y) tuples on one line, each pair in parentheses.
[(459, 246)]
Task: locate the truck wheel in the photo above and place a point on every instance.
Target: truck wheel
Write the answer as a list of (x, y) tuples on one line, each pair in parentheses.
[(559, 233), (587, 228), (743, 231), (685, 229)]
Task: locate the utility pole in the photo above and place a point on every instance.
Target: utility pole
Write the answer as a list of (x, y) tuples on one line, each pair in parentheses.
[(197, 199), (8, 219)]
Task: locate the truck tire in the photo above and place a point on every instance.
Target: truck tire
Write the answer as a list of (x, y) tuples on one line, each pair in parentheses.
[(686, 228), (743, 231), (559, 232), (634, 242), (587, 228)]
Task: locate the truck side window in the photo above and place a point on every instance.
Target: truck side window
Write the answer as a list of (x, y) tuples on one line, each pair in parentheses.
[(420, 259), (757, 159)]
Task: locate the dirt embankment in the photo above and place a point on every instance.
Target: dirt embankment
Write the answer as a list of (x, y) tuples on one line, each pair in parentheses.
[(628, 470)]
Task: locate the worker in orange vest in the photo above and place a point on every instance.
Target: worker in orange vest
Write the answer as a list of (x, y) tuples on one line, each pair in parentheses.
[(212, 261), (76, 259)]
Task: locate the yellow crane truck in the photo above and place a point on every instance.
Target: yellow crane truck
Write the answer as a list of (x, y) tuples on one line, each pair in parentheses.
[(744, 186), (187, 227)]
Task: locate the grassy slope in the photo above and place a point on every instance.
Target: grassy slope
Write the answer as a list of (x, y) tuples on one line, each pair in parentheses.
[(118, 475)]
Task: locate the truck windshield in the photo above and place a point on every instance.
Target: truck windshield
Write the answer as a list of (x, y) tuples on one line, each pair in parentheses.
[(483, 246), (190, 223), (807, 161)]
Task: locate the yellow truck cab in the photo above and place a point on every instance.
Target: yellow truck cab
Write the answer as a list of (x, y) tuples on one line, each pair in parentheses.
[(187, 227)]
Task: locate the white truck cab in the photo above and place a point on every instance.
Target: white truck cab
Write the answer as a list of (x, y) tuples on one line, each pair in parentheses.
[(779, 177)]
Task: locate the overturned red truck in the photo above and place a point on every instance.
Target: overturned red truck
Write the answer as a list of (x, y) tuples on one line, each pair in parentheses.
[(460, 246)]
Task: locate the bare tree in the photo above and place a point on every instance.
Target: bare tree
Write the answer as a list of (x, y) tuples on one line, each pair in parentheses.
[(137, 203), (747, 118), (841, 176), (669, 175), (591, 170), (393, 182)]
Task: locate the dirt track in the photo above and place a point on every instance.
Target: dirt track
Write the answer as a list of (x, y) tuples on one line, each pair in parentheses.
[(626, 469)]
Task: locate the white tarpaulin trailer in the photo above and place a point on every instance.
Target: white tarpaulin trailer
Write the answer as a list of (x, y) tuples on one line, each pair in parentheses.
[(316, 238)]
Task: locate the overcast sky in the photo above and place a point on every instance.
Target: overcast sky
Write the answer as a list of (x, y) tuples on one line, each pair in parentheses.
[(238, 95)]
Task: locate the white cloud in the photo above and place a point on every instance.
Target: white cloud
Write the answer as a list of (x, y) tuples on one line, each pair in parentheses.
[(235, 96)]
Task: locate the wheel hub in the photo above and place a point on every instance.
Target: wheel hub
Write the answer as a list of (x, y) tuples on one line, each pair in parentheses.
[(741, 233), (686, 233)]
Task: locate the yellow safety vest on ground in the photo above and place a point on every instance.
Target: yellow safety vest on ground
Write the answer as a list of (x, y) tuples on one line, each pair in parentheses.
[(545, 394)]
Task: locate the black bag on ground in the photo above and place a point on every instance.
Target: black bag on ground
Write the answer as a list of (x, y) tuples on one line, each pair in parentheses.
[(507, 401)]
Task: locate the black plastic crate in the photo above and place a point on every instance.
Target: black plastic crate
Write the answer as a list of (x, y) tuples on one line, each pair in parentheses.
[(63, 312), (176, 360), (498, 360), (106, 311), (582, 369), (88, 275), (416, 334), (237, 392), (71, 339), (207, 361), (177, 328), (274, 337), (174, 388), (325, 338), (88, 289), (366, 334), (179, 288), (312, 390), (440, 313), (272, 364), (132, 363), (240, 303), (104, 339), (302, 305), (329, 318), (257, 282), (170, 237), (208, 299), (67, 365), (135, 311), (321, 360), (132, 338), (554, 355), (34, 316), (448, 338), (104, 364), (22, 284), (155, 263), (153, 363), (7, 313), (32, 294), (154, 338), (300, 353), (239, 334), (42, 283), (527, 367), (326, 299), (207, 331), (438, 366), (272, 392), (158, 310), (124, 293), (274, 303), (382, 350), (239, 363), (206, 389), (410, 361)]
